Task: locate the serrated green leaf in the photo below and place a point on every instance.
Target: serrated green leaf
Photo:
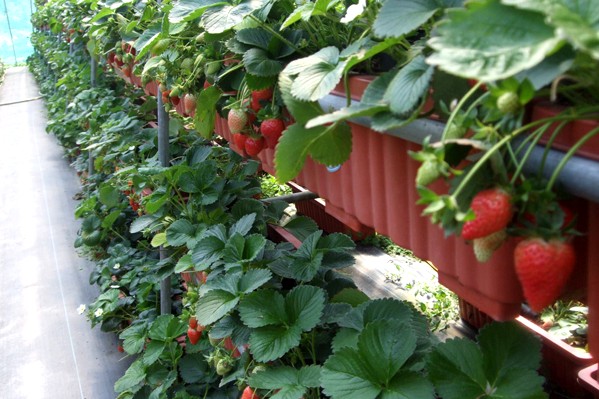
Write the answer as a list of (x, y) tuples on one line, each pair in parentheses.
[(506, 346), (179, 232), (297, 14), (255, 37), (333, 146), (132, 379), (224, 18), (187, 10), (302, 111), (456, 369), (155, 203), (263, 308), (134, 338), (292, 150), (399, 17), (184, 264), (243, 225), (289, 383), (109, 195), (254, 279), (345, 376), (214, 305), (109, 220), (301, 227), (193, 368), (158, 240), (146, 41), (153, 351), (207, 251), (576, 20), (142, 223), (304, 305), (166, 328), (352, 296), (409, 86), (206, 111), (319, 79), (383, 347), (258, 63), (271, 342), (489, 41)]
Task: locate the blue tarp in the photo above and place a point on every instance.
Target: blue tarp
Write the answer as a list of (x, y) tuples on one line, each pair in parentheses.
[(19, 15)]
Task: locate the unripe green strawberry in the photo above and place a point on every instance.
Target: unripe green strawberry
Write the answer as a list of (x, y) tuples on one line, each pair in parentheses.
[(492, 212), (427, 173), (160, 46), (223, 366), (508, 103), (187, 64), (236, 120), (212, 67), (455, 131), (543, 268), (485, 246)]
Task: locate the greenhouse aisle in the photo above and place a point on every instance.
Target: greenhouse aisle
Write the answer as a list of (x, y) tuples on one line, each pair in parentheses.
[(48, 350)]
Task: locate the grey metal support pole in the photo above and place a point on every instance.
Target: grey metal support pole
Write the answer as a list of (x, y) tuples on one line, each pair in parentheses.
[(92, 81), (163, 157)]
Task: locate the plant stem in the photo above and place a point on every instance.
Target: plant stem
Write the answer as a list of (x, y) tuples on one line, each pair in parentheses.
[(458, 107), (569, 155)]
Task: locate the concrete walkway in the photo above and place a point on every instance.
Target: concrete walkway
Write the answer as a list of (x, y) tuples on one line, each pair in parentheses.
[(47, 350)]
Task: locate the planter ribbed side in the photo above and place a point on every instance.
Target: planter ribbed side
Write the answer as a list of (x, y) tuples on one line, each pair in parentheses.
[(561, 363), (593, 279)]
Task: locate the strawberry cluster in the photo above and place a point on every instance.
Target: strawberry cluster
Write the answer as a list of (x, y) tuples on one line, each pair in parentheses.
[(544, 256), (253, 128)]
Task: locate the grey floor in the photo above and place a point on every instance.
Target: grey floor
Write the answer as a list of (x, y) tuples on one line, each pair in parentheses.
[(47, 350)]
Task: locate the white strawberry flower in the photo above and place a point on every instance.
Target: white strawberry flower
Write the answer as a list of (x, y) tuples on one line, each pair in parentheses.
[(353, 12), (81, 308), (99, 312)]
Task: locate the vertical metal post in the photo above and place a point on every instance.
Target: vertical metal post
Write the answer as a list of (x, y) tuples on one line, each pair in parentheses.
[(92, 81), (163, 157)]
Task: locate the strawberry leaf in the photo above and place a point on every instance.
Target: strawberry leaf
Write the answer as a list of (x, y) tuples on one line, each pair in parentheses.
[(468, 44), (397, 18), (502, 365), (187, 10), (290, 383), (409, 86), (279, 322), (375, 367)]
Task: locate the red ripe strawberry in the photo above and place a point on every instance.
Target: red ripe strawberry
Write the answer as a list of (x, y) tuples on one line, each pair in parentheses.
[(248, 393), (237, 120), (259, 96), (492, 210), (189, 103), (193, 335), (239, 141), (166, 96), (272, 129), (193, 323), (111, 57), (253, 146), (543, 268)]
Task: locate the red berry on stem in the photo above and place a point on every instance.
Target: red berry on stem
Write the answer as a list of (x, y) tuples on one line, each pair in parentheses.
[(248, 393), (193, 335), (543, 268), (272, 129), (253, 146), (493, 211)]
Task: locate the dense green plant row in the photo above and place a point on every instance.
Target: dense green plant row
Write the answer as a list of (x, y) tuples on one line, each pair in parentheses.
[(247, 312), (2, 71)]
